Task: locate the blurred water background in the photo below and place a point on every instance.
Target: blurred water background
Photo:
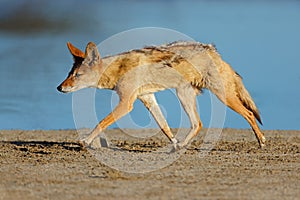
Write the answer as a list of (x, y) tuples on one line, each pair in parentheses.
[(260, 39)]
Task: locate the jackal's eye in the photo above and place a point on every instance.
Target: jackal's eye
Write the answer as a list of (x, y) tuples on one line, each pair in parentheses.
[(77, 75)]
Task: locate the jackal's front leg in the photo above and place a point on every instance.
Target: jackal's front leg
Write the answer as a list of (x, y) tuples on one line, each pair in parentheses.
[(151, 104), (124, 107)]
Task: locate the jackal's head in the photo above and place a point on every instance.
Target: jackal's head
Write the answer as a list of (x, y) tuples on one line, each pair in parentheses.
[(85, 71)]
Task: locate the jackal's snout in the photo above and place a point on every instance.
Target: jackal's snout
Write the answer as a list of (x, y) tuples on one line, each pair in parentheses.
[(59, 88), (66, 86)]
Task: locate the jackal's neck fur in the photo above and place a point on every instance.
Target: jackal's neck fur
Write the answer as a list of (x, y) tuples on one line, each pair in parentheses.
[(174, 54)]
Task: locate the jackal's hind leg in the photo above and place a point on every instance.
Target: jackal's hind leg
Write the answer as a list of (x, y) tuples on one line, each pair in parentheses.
[(187, 96), (235, 104), (151, 104)]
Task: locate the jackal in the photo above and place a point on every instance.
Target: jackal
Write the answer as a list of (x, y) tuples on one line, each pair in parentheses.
[(188, 67)]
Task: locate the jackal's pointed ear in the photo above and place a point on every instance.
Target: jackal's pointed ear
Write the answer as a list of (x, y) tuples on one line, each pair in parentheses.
[(92, 55), (75, 51)]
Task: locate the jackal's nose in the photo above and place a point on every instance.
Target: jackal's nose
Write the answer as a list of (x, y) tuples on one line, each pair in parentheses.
[(59, 88)]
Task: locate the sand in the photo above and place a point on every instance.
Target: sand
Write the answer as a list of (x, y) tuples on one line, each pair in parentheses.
[(52, 165)]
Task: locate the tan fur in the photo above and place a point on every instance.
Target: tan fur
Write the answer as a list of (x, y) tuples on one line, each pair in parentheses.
[(188, 67)]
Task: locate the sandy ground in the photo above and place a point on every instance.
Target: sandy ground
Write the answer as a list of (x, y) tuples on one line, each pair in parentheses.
[(52, 165)]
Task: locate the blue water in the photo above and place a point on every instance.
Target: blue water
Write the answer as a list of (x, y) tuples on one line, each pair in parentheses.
[(260, 39)]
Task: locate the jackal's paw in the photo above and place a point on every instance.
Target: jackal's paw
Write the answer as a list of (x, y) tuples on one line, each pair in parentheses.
[(83, 143), (262, 142), (177, 146), (95, 144), (175, 143)]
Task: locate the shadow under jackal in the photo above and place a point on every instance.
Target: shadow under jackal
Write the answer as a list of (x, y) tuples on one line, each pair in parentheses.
[(188, 67)]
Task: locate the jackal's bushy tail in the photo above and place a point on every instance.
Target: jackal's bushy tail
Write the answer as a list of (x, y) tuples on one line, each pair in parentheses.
[(245, 98)]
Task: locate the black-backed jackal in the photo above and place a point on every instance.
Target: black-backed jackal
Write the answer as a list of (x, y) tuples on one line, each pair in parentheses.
[(138, 74)]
